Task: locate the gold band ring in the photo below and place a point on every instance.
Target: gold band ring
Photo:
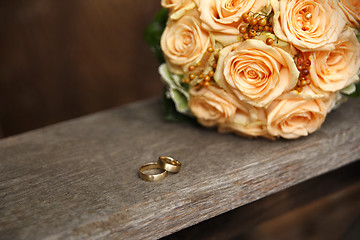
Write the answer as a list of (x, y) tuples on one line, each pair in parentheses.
[(152, 177), (169, 164)]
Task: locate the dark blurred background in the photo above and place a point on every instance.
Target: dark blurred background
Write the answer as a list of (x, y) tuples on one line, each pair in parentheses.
[(64, 59)]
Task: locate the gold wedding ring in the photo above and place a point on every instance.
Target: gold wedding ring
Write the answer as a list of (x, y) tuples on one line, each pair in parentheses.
[(152, 177), (169, 164)]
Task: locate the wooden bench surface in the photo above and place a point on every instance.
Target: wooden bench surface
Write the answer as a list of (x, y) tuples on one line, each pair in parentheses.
[(78, 179)]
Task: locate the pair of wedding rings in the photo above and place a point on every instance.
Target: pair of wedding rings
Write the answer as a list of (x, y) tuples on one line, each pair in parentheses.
[(164, 164)]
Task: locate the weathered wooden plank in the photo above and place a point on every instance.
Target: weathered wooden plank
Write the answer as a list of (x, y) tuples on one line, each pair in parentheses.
[(308, 210), (79, 180)]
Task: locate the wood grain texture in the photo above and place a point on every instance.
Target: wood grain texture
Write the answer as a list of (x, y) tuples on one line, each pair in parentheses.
[(78, 179), (308, 210)]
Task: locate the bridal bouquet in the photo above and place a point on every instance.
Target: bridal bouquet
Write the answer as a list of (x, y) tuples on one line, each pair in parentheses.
[(270, 68)]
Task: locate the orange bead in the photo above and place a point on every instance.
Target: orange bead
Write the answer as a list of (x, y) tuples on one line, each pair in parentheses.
[(253, 22), (242, 29), (186, 80), (246, 17), (300, 60), (304, 72), (307, 16), (269, 41), (302, 79), (252, 33), (262, 22)]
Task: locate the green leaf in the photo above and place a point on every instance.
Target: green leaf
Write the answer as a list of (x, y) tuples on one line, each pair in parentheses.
[(154, 31), (357, 91), (180, 100), (173, 80), (349, 90), (170, 112), (178, 92), (162, 16)]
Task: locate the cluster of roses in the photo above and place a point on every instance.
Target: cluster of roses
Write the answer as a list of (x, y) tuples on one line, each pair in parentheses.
[(281, 81)]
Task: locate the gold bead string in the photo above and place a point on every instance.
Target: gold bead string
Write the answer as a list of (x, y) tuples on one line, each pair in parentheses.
[(255, 25), (307, 16), (196, 75), (303, 64)]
